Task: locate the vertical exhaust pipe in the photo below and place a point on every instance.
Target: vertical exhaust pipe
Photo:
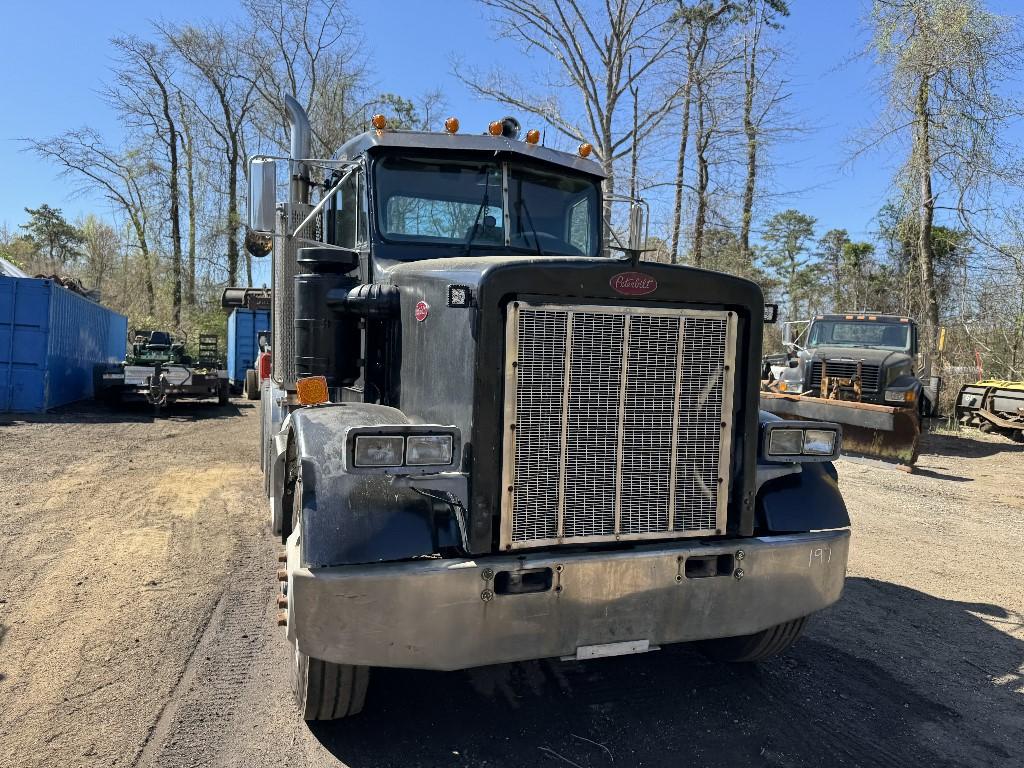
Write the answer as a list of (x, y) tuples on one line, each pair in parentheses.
[(298, 124), (286, 265)]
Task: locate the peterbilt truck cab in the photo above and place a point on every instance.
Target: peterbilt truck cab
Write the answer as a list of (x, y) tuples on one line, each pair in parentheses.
[(489, 436)]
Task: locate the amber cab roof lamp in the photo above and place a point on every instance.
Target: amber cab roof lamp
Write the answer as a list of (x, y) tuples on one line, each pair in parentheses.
[(379, 122), (451, 125), (585, 149), (532, 136), (312, 390)]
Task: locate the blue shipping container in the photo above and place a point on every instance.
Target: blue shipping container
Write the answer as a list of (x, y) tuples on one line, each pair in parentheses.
[(244, 327), (50, 340)]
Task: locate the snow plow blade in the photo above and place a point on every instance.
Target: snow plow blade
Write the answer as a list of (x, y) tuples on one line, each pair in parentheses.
[(881, 432)]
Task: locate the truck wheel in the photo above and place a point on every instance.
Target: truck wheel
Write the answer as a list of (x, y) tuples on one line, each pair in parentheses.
[(327, 691), (756, 647), (324, 690), (251, 386)]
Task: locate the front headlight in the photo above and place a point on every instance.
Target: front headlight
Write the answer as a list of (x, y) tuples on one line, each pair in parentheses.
[(819, 442), (379, 451), (428, 449), (786, 441)]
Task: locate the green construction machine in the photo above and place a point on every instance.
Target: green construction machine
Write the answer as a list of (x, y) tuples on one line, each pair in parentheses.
[(158, 370)]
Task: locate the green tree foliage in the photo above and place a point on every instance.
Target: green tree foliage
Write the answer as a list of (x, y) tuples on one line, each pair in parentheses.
[(56, 241), (793, 272)]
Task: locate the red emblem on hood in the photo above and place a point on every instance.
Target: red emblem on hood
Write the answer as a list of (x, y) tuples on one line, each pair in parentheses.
[(422, 310), (633, 283)]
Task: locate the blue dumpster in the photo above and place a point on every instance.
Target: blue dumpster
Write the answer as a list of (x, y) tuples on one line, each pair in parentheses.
[(50, 341), (244, 327)]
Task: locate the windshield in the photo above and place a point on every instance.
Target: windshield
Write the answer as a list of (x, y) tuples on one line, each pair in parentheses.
[(463, 203), (859, 334)]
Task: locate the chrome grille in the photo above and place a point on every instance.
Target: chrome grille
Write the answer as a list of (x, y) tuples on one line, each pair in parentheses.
[(846, 369), (617, 423)]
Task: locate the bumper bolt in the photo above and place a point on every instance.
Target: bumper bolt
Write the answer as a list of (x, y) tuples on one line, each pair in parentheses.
[(487, 574), (739, 573), (740, 554), (486, 595), (282, 601), (283, 557), (282, 619), (282, 574)]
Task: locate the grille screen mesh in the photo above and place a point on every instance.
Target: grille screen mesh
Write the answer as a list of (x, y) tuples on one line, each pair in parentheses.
[(618, 423)]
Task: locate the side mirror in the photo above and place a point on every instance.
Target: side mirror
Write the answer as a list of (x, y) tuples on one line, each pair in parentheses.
[(262, 196), (637, 227)]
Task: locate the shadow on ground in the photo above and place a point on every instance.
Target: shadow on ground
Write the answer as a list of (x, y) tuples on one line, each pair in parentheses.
[(968, 444), (98, 413), (890, 676)]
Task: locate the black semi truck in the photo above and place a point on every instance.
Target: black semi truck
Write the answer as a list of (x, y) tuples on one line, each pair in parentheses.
[(489, 436)]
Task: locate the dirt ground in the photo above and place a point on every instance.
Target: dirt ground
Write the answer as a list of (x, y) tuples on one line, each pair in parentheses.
[(137, 628)]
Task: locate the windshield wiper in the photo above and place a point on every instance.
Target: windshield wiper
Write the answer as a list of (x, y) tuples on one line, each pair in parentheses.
[(521, 205), (484, 204)]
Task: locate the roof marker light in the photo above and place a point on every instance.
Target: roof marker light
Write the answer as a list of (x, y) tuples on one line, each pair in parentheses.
[(452, 125), (532, 136), (585, 149), (495, 128), (379, 122)]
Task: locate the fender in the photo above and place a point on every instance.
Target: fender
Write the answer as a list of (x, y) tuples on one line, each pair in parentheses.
[(350, 518), (808, 500), (799, 497)]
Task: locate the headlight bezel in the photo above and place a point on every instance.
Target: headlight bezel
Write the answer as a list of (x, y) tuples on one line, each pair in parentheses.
[(400, 434), (775, 434)]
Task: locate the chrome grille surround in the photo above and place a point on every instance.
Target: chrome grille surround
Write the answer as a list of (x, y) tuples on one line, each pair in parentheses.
[(618, 423)]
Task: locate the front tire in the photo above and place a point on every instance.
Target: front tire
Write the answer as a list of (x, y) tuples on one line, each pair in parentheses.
[(322, 689), (327, 691), (759, 646)]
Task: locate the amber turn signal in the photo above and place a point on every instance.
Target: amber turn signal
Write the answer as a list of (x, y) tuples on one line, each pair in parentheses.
[(452, 125), (532, 136), (585, 149), (495, 128), (312, 390), (379, 122)]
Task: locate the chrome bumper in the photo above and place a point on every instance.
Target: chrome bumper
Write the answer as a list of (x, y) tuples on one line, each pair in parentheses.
[(448, 614)]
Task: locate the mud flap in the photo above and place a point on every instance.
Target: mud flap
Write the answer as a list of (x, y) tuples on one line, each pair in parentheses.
[(881, 432)]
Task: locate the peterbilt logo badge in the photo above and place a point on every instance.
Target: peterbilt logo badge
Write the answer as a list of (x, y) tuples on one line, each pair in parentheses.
[(422, 310), (633, 283)]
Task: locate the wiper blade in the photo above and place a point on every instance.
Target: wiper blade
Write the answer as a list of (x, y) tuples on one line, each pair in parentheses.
[(521, 204), (484, 204)]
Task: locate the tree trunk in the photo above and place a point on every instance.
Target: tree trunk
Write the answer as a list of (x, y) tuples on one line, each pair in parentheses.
[(190, 281), (750, 130), (233, 213), (175, 211), (926, 255), (684, 137), (701, 145)]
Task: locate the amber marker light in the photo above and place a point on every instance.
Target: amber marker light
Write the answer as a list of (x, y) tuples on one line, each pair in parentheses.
[(379, 122), (312, 390), (532, 136), (452, 125), (585, 149), (494, 128)]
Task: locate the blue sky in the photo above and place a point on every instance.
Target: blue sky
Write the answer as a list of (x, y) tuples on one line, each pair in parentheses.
[(50, 72)]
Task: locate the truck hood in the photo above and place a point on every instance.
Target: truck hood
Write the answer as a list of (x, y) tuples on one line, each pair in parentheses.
[(883, 358)]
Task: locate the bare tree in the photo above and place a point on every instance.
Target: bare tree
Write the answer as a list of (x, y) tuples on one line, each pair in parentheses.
[(145, 94), (120, 176), (214, 55), (593, 49), (944, 63), (309, 49), (188, 146), (758, 105)]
